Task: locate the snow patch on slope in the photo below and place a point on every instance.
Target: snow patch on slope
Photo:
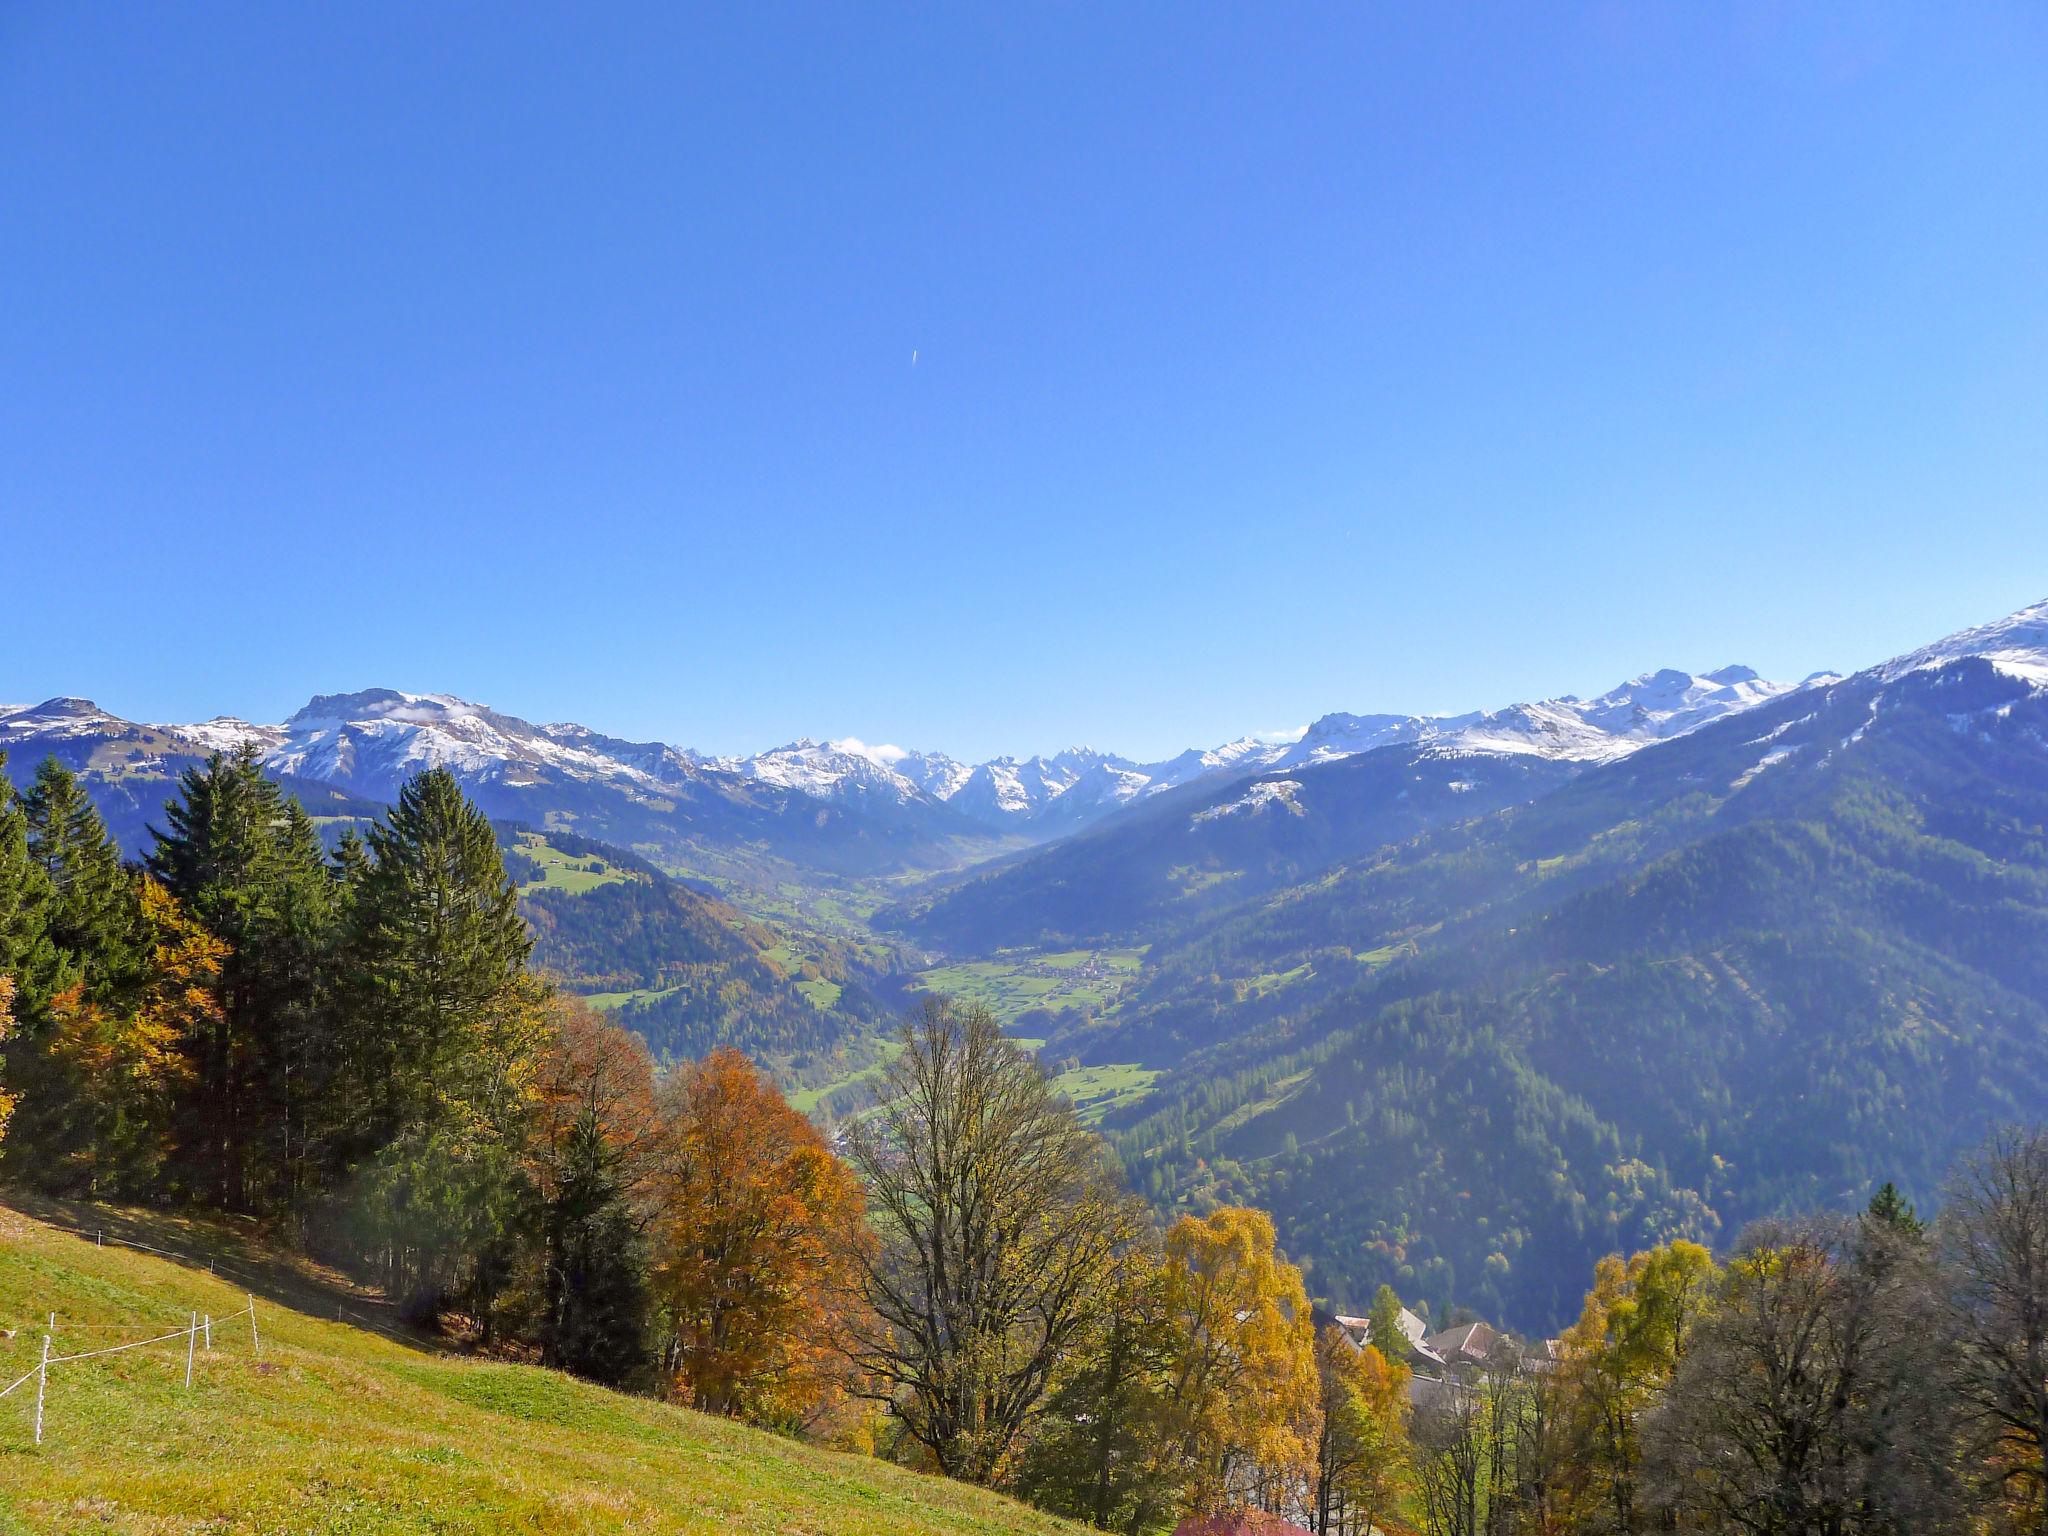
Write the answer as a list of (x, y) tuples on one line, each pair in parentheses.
[(1267, 794)]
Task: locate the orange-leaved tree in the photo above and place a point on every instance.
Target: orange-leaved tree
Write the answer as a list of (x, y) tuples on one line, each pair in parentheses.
[(593, 1154), (750, 1267)]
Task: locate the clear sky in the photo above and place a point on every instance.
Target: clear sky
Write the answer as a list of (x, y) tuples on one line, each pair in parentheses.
[(998, 377)]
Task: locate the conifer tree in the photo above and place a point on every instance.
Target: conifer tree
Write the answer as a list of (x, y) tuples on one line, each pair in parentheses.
[(439, 943), (224, 857), (92, 908), (1387, 1335), (28, 952), (593, 1149), (38, 970), (445, 1033)]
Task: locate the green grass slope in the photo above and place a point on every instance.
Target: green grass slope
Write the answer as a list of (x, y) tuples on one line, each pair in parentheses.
[(337, 1430)]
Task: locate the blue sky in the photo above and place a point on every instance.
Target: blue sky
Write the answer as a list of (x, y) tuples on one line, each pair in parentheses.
[(994, 378)]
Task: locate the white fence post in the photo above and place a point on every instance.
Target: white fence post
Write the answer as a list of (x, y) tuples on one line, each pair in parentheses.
[(208, 1326), (42, 1382)]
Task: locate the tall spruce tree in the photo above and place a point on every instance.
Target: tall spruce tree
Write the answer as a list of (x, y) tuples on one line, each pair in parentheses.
[(445, 1033), (93, 911), (439, 942), (38, 970), (28, 950), (249, 864)]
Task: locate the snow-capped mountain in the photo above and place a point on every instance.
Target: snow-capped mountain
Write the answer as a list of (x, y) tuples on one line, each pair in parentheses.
[(827, 769), (2016, 645), (1653, 707), (1008, 788), (372, 741), (369, 742)]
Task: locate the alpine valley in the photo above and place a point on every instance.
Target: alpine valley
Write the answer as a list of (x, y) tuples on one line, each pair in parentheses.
[(1465, 1001)]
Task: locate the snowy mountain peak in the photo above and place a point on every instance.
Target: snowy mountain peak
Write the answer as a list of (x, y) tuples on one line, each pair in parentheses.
[(2016, 645), (328, 709), (830, 770)]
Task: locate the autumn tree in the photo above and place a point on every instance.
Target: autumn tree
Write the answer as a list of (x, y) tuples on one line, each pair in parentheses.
[(594, 1150), (125, 1059), (1994, 1244), (751, 1258), (1617, 1358), (1241, 1396), (1361, 1441), (1811, 1397), (7, 1099), (996, 1214)]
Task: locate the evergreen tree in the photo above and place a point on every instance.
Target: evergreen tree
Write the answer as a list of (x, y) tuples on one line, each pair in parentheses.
[(225, 857), (441, 1048), (28, 951), (39, 970), (1894, 1212), (1388, 1337), (295, 989), (439, 944), (93, 908), (595, 1138), (596, 1280)]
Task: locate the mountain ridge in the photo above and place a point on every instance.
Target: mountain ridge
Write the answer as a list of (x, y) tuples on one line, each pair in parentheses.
[(368, 740)]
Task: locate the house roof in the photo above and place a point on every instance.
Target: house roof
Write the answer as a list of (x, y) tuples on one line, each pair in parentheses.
[(1360, 1329), (1469, 1341)]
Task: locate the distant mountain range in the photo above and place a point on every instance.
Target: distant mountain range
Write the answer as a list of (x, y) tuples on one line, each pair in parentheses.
[(891, 809)]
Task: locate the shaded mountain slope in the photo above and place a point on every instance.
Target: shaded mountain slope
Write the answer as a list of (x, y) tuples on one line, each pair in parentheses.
[(1769, 963), (1208, 846)]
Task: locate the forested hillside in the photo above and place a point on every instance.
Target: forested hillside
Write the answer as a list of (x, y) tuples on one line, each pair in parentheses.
[(1769, 964), (686, 970)]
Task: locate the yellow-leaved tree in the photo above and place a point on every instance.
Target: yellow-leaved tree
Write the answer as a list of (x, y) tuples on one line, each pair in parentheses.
[(1241, 1403), (1362, 1460), (1633, 1331), (6, 1030), (127, 1057)]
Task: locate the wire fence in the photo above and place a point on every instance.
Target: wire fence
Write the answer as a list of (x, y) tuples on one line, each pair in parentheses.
[(197, 1333), (200, 1327)]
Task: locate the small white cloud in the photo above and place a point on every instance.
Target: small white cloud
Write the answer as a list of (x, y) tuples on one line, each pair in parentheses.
[(1288, 737), (880, 752)]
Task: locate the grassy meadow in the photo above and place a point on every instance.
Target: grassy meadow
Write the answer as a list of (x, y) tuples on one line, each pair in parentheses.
[(340, 1429)]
